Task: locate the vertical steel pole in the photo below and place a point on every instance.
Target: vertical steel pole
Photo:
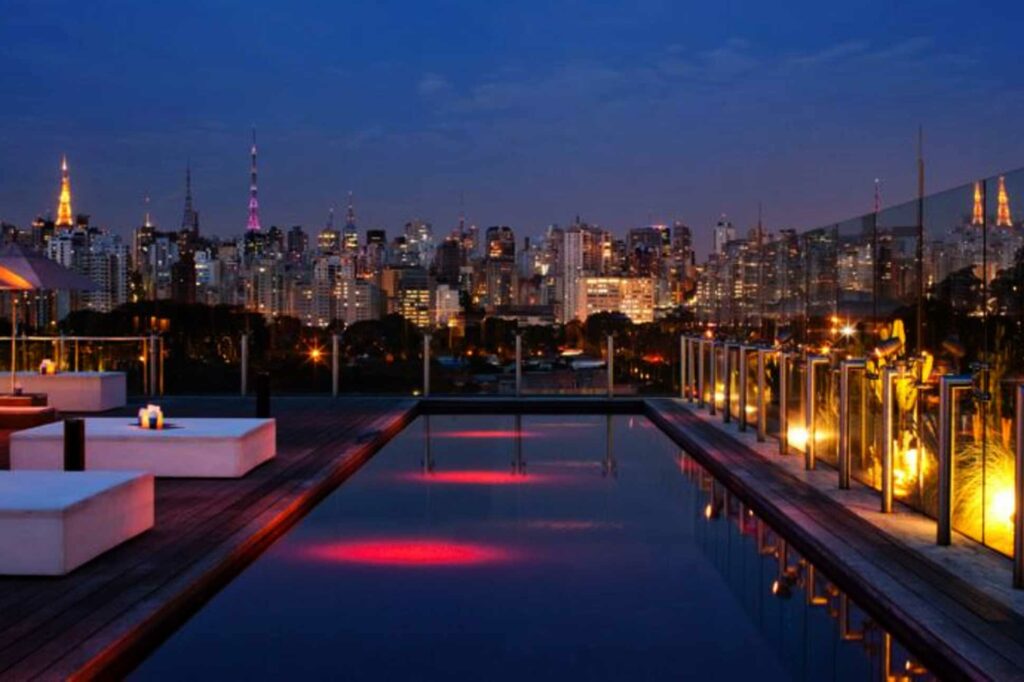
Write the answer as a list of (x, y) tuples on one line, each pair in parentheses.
[(426, 365), (519, 365), (691, 366), (810, 421), (682, 367), (245, 364), (611, 366), (160, 362), (888, 375), (152, 364), (762, 404), (335, 366), (700, 372), (727, 385), (948, 387), (783, 403), (844, 419), (714, 379), (144, 357), (743, 388), (1018, 509)]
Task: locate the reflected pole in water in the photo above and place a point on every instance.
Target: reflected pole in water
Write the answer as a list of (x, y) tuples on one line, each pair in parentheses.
[(519, 364), (428, 454), (609, 465), (518, 463)]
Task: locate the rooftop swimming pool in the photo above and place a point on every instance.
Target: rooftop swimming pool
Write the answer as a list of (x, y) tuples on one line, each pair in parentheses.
[(533, 547)]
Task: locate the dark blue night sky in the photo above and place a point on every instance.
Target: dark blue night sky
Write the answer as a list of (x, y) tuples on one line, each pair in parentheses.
[(535, 111)]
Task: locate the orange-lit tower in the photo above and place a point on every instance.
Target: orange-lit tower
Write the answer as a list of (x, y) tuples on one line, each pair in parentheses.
[(64, 205), (978, 214), (1003, 218)]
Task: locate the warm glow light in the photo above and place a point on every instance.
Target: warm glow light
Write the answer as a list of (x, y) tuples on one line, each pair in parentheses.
[(1003, 505), (848, 330), (409, 552), (797, 436), (315, 354)]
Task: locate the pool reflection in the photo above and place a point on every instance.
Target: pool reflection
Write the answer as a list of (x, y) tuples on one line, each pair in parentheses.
[(579, 552), (817, 629)]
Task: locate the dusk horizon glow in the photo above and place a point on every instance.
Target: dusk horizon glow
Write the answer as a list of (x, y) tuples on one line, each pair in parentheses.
[(523, 116)]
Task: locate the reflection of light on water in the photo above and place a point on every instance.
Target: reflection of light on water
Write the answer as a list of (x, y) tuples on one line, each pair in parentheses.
[(408, 552), (571, 524), (476, 477), (484, 434)]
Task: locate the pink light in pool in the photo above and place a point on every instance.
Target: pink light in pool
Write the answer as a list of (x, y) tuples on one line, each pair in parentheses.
[(409, 552), (476, 477), (499, 434)]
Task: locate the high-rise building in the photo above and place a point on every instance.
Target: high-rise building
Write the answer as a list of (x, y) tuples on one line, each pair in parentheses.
[(631, 296), (724, 233), (350, 237)]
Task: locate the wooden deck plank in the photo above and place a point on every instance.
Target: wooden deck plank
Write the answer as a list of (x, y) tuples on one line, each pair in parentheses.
[(51, 628)]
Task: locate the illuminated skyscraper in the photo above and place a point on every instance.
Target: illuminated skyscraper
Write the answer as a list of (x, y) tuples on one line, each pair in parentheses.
[(254, 205), (64, 215), (350, 238), (1003, 218), (190, 217)]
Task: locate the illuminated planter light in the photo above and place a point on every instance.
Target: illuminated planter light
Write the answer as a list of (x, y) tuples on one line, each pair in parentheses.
[(797, 437), (151, 417), (48, 367)]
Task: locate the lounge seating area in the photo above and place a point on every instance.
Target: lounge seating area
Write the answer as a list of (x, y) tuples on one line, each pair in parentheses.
[(77, 391), (53, 522), (184, 448)]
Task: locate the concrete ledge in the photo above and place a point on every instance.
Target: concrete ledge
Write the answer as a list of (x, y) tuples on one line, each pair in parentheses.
[(53, 522), (187, 448)]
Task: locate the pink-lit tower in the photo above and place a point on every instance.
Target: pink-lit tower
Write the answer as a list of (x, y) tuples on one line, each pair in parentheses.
[(254, 205)]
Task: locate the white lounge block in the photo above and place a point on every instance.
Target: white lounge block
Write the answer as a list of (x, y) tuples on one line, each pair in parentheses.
[(186, 448), (78, 391), (52, 522)]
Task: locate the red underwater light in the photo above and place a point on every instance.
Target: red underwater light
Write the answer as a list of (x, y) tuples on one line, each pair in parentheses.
[(408, 552), (476, 477)]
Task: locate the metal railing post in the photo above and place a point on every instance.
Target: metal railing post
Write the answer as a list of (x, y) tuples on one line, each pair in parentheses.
[(888, 375), (762, 404), (783, 403), (244, 363), (813, 361), (426, 365), (682, 367), (714, 379), (611, 366), (519, 365), (844, 419), (335, 366), (700, 372), (727, 386), (691, 367), (152, 364), (743, 388), (1018, 489), (949, 385), (160, 362)]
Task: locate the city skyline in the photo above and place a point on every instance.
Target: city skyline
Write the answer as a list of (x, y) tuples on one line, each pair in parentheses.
[(617, 115)]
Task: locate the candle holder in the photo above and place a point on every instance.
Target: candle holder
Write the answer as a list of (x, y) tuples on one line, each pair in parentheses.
[(151, 417)]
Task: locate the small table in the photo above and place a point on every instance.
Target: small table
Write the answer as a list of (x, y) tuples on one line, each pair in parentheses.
[(52, 522), (78, 391), (185, 448)]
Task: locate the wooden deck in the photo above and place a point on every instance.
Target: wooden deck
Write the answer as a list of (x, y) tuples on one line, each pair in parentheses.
[(98, 620)]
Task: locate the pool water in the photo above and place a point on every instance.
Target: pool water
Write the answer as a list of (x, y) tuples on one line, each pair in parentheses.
[(534, 547)]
